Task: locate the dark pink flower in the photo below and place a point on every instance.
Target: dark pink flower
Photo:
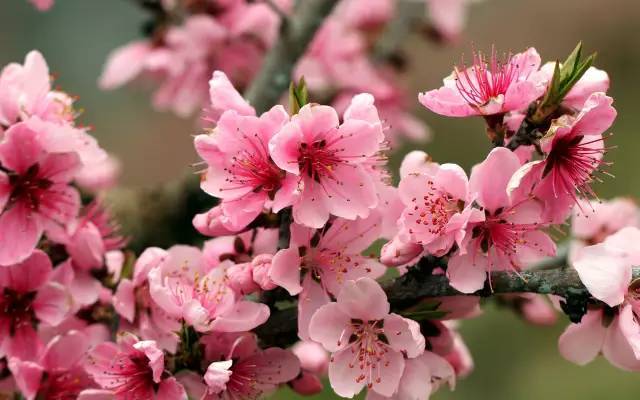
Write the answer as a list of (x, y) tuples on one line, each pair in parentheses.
[(133, 369)]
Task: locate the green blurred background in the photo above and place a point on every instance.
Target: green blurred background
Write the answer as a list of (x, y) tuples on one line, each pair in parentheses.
[(513, 360)]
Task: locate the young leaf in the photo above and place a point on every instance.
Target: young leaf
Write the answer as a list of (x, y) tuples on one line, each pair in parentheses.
[(298, 96)]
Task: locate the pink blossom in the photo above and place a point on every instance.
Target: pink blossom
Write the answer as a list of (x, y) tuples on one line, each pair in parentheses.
[(239, 369), (28, 296), (240, 170), (58, 372), (133, 369), (250, 373), (185, 288), (366, 16), (25, 91), (435, 216), (489, 86), (593, 221), (368, 344), (606, 271), (101, 175), (421, 378), (133, 302), (574, 149), (318, 264), (448, 17), (509, 237), (182, 58), (42, 5), (331, 160), (34, 192)]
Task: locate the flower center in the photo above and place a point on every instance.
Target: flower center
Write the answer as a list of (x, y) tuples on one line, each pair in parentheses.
[(17, 309), (29, 187), (571, 164), (433, 210), (318, 160), (487, 78), (254, 169), (369, 347)]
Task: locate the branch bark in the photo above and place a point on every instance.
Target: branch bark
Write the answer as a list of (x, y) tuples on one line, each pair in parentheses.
[(417, 285), (296, 34)]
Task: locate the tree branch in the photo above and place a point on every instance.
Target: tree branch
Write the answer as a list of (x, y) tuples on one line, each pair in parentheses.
[(296, 34), (417, 285)]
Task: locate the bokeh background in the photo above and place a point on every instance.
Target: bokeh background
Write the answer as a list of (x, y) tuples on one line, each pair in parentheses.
[(514, 361)]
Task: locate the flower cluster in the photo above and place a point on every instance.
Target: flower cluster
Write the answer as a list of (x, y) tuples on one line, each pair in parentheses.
[(285, 286)]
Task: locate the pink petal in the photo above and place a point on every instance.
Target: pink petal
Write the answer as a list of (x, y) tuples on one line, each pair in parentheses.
[(52, 303), (594, 80), (124, 64), (154, 355), (27, 375), (124, 300), (224, 96), (20, 148), (284, 147), (64, 351), (404, 335), (362, 108), (363, 299), (628, 324), (244, 316), (23, 228), (596, 116), (170, 389), (285, 270), (605, 274), (351, 195), (28, 275), (446, 101), (489, 179), (520, 94), (617, 349), (581, 343), (327, 327), (96, 394), (307, 384), (312, 297), (468, 272), (274, 366), (5, 190), (312, 356), (311, 209)]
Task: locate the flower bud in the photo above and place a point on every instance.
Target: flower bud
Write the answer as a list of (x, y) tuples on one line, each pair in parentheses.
[(211, 223), (241, 278), (396, 253), (261, 266)]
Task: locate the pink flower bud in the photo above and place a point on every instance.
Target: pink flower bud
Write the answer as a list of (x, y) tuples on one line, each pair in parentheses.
[(211, 223), (261, 266), (241, 278), (396, 253), (307, 384), (312, 356)]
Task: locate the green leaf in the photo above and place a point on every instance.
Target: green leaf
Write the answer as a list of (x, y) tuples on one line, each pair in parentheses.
[(298, 96), (565, 76)]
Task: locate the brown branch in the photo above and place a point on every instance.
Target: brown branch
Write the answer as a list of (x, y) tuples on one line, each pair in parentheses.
[(417, 285), (296, 34)]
